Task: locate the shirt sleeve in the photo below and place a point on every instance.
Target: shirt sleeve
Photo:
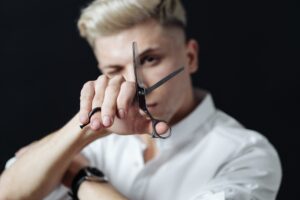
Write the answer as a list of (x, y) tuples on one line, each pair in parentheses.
[(253, 174), (94, 152)]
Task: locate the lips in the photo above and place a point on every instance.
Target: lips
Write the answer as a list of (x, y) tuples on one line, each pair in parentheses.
[(151, 105)]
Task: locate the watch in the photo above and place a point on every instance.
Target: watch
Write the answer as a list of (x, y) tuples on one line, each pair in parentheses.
[(85, 174)]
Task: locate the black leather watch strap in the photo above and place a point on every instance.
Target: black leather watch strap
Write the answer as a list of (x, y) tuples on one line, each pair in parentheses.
[(86, 173)]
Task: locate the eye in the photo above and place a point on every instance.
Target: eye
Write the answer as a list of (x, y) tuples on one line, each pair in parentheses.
[(150, 60), (113, 72)]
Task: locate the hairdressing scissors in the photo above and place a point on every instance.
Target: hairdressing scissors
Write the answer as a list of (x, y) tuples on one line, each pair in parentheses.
[(141, 93)]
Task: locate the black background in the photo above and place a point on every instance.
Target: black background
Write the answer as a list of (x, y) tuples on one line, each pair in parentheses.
[(248, 53)]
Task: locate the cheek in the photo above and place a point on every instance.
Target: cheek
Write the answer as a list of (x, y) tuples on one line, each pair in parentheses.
[(172, 95), (170, 107), (161, 72)]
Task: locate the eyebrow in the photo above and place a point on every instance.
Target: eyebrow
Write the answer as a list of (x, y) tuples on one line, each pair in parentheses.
[(148, 50), (142, 54)]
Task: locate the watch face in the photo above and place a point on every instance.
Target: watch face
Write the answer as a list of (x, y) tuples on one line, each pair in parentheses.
[(95, 172)]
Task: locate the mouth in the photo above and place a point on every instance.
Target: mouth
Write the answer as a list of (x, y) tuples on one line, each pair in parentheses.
[(151, 105)]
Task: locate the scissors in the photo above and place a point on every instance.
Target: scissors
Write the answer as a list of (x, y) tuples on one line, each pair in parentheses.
[(141, 93)]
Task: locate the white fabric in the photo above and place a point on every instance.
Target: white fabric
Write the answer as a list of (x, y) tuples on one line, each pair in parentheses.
[(209, 156)]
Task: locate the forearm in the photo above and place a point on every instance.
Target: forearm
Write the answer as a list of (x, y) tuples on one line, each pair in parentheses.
[(95, 190), (42, 167)]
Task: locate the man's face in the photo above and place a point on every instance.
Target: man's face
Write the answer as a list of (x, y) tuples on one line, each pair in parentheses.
[(161, 50)]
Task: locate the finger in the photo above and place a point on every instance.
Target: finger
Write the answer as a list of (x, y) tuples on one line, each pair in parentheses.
[(100, 86), (86, 98), (143, 114), (162, 128), (125, 98), (110, 100)]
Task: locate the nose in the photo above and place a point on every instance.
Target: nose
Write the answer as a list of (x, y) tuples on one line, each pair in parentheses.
[(128, 73)]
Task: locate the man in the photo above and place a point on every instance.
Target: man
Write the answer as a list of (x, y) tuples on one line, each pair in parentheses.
[(208, 156)]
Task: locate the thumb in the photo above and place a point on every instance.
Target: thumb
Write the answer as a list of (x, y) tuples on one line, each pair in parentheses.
[(163, 130)]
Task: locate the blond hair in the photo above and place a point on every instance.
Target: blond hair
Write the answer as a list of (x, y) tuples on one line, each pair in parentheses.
[(106, 17)]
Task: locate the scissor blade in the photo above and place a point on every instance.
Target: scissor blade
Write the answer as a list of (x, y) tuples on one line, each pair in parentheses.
[(137, 64), (162, 81), (135, 61)]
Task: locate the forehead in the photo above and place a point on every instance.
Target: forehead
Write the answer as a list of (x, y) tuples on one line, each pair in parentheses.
[(118, 47)]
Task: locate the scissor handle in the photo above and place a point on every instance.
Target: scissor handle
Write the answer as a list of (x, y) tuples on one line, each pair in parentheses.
[(154, 132), (97, 109)]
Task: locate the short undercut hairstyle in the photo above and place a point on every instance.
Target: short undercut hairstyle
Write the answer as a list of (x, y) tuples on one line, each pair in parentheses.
[(106, 17)]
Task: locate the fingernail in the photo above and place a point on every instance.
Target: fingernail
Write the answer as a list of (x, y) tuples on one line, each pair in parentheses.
[(106, 120), (96, 124), (121, 113)]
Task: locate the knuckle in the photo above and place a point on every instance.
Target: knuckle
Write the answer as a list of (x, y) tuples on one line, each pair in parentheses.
[(110, 111), (84, 103), (101, 80), (116, 80), (84, 97), (88, 84), (86, 87), (108, 106), (123, 102), (97, 102), (112, 88), (128, 85), (85, 108)]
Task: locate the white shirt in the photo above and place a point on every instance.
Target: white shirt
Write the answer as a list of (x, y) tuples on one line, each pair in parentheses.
[(209, 156)]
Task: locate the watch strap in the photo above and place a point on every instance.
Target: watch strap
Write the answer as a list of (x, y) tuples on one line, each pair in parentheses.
[(86, 173)]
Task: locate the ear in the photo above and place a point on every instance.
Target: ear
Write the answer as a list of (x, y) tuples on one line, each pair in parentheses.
[(192, 50)]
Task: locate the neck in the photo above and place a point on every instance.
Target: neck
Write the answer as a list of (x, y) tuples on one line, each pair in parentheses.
[(188, 106)]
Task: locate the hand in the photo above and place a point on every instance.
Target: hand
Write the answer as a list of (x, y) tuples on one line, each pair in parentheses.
[(119, 113)]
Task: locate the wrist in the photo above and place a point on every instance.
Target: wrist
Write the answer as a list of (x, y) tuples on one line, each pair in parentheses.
[(78, 162), (86, 174), (90, 190), (83, 136)]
